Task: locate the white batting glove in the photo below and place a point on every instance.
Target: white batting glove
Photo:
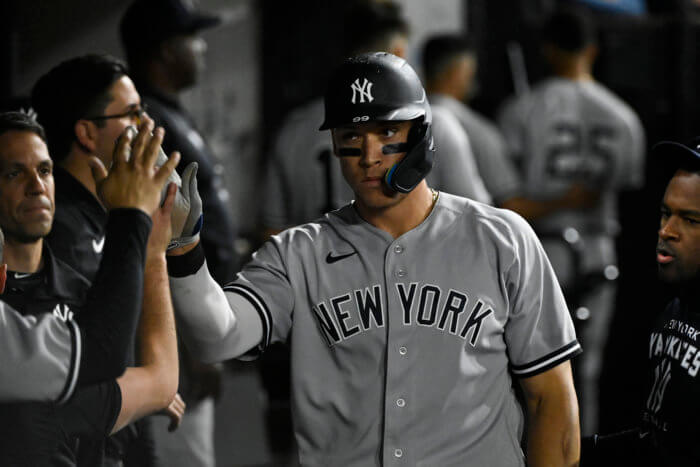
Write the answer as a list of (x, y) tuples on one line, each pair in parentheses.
[(186, 218)]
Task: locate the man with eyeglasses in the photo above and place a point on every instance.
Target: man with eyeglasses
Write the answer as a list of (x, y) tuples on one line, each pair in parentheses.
[(84, 104)]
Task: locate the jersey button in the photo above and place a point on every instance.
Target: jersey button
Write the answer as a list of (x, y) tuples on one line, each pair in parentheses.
[(398, 249), (401, 272), (398, 453), (403, 350), (400, 402)]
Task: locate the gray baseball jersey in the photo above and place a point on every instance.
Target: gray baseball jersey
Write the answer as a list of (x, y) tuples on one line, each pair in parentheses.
[(303, 176), (488, 146), (568, 131), (403, 350), (455, 170), (39, 357)]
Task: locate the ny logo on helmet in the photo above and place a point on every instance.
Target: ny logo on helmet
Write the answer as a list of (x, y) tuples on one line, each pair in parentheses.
[(364, 90)]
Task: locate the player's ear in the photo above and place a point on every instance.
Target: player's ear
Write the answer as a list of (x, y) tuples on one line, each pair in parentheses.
[(3, 277), (86, 134)]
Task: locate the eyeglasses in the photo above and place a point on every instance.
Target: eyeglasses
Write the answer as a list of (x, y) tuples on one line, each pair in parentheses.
[(135, 114)]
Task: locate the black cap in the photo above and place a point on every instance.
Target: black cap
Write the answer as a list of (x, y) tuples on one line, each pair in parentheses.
[(160, 19), (673, 156)]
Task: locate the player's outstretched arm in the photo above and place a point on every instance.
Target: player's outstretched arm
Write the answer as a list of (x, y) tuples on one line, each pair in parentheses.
[(553, 434), (216, 326), (152, 386)]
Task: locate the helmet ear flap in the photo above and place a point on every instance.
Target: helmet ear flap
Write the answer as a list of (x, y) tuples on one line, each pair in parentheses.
[(407, 173)]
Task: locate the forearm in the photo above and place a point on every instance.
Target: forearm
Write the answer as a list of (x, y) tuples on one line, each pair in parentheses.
[(113, 303), (553, 437), (212, 328), (157, 335), (153, 385)]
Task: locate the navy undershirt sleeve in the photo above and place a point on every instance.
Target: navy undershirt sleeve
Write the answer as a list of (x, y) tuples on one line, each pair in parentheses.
[(113, 303)]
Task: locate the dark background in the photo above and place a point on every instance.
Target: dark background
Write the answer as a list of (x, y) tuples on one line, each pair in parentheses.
[(273, 55)]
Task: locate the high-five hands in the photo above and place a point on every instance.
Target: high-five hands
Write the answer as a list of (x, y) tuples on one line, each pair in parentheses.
[(134, 180), (139, 167)]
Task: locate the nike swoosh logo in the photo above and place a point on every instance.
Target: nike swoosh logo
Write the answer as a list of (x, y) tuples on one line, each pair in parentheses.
[(98, 245), (330, 259), (21, 275), (643, 435)]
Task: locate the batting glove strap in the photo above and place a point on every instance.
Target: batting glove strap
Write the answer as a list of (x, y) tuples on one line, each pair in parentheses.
[(187, 264), (182, 241)]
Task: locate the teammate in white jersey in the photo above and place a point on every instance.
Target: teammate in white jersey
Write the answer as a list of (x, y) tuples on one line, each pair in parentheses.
[(409, 312), (570, 129)]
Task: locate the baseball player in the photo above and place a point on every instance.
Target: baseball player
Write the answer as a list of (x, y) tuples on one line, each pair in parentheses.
[(409, 311), (450, 64), (303, 179), (667, 434), (39, 285), (570, 129)]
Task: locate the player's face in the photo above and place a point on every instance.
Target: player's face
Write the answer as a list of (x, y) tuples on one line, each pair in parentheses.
[(26, 187), (124, 98), (678, 247), (365, 172), (188, 58)]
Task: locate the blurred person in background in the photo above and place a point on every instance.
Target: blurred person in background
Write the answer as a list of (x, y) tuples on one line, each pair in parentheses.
[(166, 56), (568, 130), (666, 435), (450, 66)]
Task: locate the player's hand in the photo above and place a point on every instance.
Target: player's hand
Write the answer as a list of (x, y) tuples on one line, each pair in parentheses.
[(161, 232), (133, 180), (175, 411), (579, 196), (187, 214)]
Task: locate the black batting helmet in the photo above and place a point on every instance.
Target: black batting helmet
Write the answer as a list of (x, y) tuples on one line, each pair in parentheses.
[(380, 86)]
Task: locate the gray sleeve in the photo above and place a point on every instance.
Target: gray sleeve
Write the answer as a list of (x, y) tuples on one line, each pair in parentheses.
[(539, 333), (39, 357), (264, 283), (455, 170)]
